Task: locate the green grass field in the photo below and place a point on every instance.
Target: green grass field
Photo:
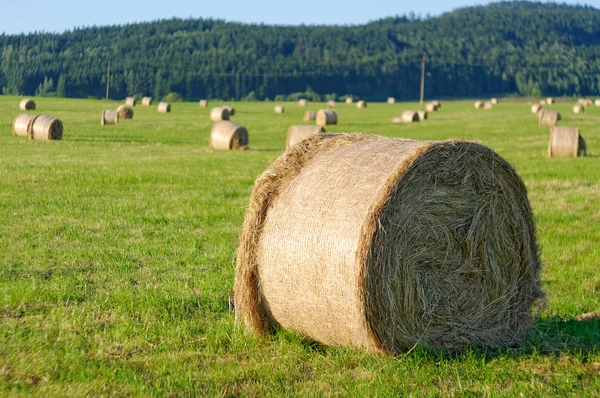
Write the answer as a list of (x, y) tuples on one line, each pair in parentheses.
[(117, 257)]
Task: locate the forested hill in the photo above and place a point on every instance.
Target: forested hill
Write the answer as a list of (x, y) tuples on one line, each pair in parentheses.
[(507, 47)]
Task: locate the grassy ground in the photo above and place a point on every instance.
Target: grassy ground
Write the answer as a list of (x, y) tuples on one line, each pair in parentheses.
[(117, 255)]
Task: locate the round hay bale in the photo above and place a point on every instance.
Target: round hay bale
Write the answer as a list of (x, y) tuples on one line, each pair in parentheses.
[(219, 113), (147, 101), (397, 119), (330, 104), (578, 109), (488, 105), (581, 101), (46, 128), (310, 115), (494, 101), (391, 100), (588, 102), (535, 108), (597, 102), (385, 244), (410, 116), (437, 104), (326, 116), (422, 115), (164, 107), (230, 109), (296, 134), (550, 100), (478, 104), (361, 104), (227, 135), (302, 102), (27, 105), (109, 116), (431, 107), (22, 124), (279, 109), (349, 100), (543, 102), (130, 101), (203, 103), (125, 112), (566, 142), (548, 117)]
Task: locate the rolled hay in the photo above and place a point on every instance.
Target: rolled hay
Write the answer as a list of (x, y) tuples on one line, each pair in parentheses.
[(597, 102), (310, 115), (147, 101), (578, 109), (550, 100), (330, 104), (431, 107), (361, 104), (228, 135), (27, 105), (494, 101), (391, 100), (164, 107), (548, 117), (385, 244), (349, 100), (478, 104), (302, 102), (203, 103), (410, 116), (581, 101), (588, 102), (543, 102), (326, 116), (230, 109), (109, 116), (422, 115), (296, 134), (437, 104), (535, 108), (566, 142), (130, 101), (279, 109), (125, 112), (219, 113), (22, 124), (46, 128), (487, 105)]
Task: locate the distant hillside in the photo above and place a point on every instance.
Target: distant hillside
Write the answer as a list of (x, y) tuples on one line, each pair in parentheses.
[(527, 48)]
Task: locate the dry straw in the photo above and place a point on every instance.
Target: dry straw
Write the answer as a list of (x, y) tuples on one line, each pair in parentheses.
[(147, 101), (230, 109), (296, 134), (410, 116), (494, 101), (279, 109), (27, 105), (488, 105), (46, 128), (478, 104), (422, 115), (550, 100), (203, 103), (219, 113), (431, 107), (310, 115), (330, 104), (566, 142), (391, 100), (385, 244), (164, 107), (548, 117), (302, 102), (109, 116), (227, 135), (597, 102), (326, 116), (130, 101), (349, 100), (437, 104), (578, 109), (22, 124), (361, 104), (125, 112), (535, 108), (542, 102)]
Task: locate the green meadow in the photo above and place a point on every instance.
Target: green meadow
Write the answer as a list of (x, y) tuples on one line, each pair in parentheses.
[(117, 258)]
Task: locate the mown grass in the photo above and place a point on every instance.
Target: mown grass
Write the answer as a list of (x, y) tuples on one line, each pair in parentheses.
[(117, 256)]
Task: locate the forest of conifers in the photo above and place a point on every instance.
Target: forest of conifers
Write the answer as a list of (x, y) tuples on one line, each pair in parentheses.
[(520, 48)]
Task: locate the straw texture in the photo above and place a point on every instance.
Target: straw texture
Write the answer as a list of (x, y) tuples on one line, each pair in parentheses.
[(410, 116), (302, 102), (578, 109), (27, 105), (22, 124), (535, 108), (550, 100), (46, 128), (330, 104), (383, 244), (548, 117), (109, 116), (164, 107), (219, 113), (494, 101), (391, 100), (130, 101), (125, 112), (597, 102), (203, 103), (488, 105), (478, 104), (147, 101), (326, 116), (310, 115), (279, 109), (431, 107), (422, 115), (296, 134), (361, 104), (349, 100), (227, 135), (566, 142)]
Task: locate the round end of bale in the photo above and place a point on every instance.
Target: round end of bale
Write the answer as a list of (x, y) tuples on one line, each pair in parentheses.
[(410, 116), (125, 112), (109, 116), (203, 103), (219, 113), (566, 142), (431, 107), (578, 109), (478, 104), (310, 115), (349, 100), (279, 109), (330, 104), (549, 100), (46, 128), (296, 134), (391, 100), (548, 117), (22, 125), (385, 244), (302, 102), (227, 135), (488, 105), (147, 101), (361, 104), (27, 105), (326, 116), (535, 108), (422, 115), (230, 109), (164, 107), (130, 101)]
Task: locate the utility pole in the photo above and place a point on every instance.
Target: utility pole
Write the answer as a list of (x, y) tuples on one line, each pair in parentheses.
[(422, 80), (108, 80)]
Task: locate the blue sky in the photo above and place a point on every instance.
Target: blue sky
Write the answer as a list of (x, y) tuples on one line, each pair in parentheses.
[(60, 15)]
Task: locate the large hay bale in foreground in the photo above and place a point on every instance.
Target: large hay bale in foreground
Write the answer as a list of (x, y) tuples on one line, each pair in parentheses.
[(46, 128), (361, 104), (125, 112), (296, 134), (228, 135), (385, 244), (478, 104), (130, 101), (310, 115), (578, 109), (391, 100), (219, 113), (566, 142), (203, 103), (410, 116), (331, 104), (27, 105), (349, 100), (422, 115), (326, 116), (548, 117), (164, 107), (279, 109), (550, 100), (230, 109), (487, 105), (431, 107), (535, 108), (147, 101), (302, 102), (22, 124), (109, 116)]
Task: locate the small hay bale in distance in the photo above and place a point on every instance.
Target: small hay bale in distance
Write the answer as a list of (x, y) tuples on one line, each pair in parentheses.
[(494, 101), (422, 115), (391, 100), (349, 100), (219, 113), (431, 107), (361, 104), (488, 105), (227, 135), (326, 116), (109, 117), (296, 134), (147, 101), (279, 109), (550, 100), (578, 109), (566, 142), (384, 244), (27, 105), (125, 112), (597, 102), (437, 104), (22, 124), (542, 102), (478, 104), (588, 102), (548, 117), (130, 101), (164, 107), (309, 115), (230, 109), (302, 102), (46, 128), (331, 104), (409, 116), (203, 103), (535, 108)]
